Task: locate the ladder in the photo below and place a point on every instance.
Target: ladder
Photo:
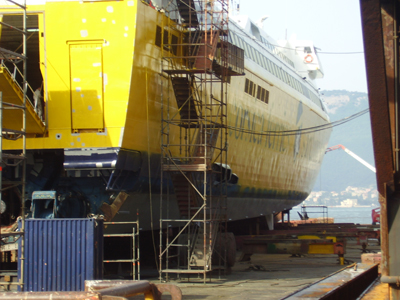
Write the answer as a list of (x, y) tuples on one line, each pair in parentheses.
[(135, 259), (193, 139), (15, 161)]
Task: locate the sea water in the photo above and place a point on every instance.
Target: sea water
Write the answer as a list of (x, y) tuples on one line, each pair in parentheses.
[(357, 215)]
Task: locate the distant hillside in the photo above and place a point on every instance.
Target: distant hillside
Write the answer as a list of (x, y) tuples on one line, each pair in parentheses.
[(340, 170)]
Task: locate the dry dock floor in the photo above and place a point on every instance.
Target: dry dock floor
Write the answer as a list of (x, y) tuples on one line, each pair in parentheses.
[(268, 276)]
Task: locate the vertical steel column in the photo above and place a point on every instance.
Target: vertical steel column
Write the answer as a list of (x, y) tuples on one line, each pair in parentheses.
[(22, 248), (1, 160), (381, 42)]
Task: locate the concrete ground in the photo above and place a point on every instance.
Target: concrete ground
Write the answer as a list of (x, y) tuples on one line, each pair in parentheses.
[(267, 276)]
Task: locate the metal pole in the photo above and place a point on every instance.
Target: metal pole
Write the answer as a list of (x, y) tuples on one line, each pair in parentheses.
[(138, 244), (1, 158), (134, 261), (22, 249)]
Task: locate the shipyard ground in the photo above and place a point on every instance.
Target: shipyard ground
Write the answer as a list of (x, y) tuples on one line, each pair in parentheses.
[(267, 276)]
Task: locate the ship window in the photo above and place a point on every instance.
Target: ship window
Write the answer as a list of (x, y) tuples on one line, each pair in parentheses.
[(307, 50), (250, 87), (230, 37), (252, 54), (268, 65), (265, 63), (259, 92), (257, 55), (266, 96), (246, 87), (174, 45), (158, 36)]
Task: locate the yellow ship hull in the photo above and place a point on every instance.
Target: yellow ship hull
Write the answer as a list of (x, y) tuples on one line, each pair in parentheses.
[(102, 82)]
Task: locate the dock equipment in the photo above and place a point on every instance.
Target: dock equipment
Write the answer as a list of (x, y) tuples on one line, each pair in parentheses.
[(14, 126), (194, 165)]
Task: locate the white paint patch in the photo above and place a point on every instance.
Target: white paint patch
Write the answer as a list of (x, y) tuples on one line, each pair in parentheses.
[(72, 143), (78, 139), (78, 89), (131, 3), (125, 34), (76, 80), (106, 43), (58, 136), (83, 144), (126, 28), (83, 20), (101, 74), (98, 96), (73, 110), (84, 33), (121, 136), (82, 95), (96, 64), (110, 9), (113, 21), (104, 20), (105, 79), (89, 107)]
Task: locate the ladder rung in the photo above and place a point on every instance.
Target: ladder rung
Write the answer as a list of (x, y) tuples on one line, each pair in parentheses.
[(120, 260), (12, 156), (13, 131)]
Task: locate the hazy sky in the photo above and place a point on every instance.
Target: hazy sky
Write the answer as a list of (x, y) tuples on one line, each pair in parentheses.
[(333, 26)]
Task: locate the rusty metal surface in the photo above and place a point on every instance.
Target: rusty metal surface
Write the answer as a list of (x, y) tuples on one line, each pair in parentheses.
[(103, 290), (129, 288), (173, 290), (379, 76), (347, 283)]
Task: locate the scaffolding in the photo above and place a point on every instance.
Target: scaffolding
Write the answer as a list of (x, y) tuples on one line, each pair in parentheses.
[(15, 160), (195, 68), (134, 260)]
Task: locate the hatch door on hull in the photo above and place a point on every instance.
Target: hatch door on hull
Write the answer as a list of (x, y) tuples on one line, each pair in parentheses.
[(86, 86)]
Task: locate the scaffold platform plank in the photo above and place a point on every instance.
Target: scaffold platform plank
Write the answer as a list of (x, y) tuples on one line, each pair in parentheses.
[(186, 168)]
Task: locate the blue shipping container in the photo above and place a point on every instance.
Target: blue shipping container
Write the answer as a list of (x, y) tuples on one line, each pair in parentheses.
[(60, 254)]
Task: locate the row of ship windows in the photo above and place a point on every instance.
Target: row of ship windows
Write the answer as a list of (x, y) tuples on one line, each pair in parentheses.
[(254, 55), (250, 88), (174, 40), (271, 67)]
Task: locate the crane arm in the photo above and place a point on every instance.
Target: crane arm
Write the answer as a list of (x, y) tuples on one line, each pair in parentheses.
[(355, 156)]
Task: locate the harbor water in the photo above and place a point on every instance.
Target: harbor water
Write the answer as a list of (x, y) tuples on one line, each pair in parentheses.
[(357, 215)]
